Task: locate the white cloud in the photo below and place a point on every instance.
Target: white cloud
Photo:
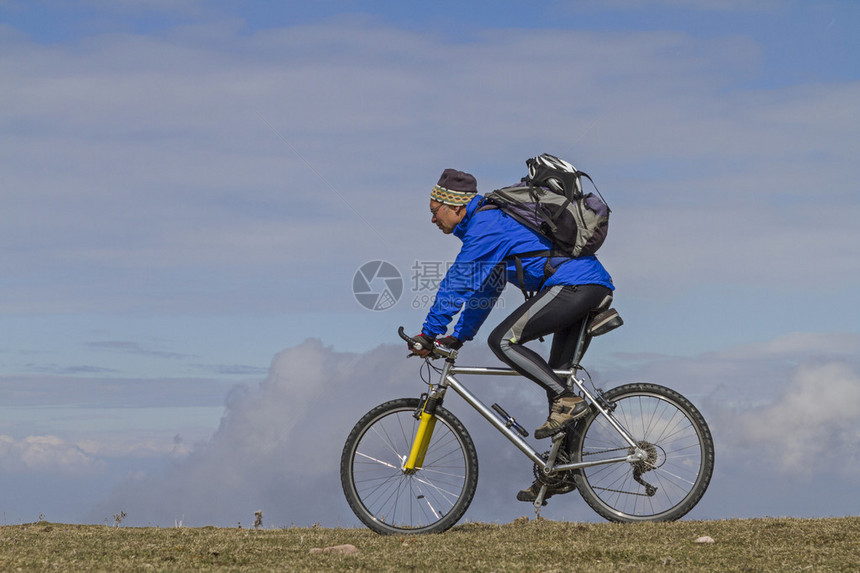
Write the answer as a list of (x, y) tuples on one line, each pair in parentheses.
[(54, 455), (44, 454), (814, 426)]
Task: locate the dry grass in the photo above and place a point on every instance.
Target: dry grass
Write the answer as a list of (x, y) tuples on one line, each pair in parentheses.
[(739, 545)]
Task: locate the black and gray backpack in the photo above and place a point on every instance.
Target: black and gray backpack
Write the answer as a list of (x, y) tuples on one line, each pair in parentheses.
[(551, 202)]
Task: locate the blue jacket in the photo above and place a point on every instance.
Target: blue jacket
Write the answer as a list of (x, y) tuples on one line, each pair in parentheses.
[(477, 277)]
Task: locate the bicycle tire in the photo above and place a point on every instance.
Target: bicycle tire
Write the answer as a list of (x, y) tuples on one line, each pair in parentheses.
[(391, 501), (679, 465)]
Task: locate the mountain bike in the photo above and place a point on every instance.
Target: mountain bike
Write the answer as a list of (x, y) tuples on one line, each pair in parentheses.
[(643, 452)]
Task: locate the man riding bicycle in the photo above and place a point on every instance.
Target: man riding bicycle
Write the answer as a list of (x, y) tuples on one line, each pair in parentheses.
[(566, 290)]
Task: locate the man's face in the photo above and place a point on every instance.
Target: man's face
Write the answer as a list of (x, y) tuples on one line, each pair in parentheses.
[(446, 217)]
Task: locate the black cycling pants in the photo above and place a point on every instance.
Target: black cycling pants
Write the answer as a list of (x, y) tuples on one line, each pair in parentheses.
[(558, 310)]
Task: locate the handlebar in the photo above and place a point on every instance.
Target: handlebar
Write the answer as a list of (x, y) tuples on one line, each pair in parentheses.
[(437, 351)]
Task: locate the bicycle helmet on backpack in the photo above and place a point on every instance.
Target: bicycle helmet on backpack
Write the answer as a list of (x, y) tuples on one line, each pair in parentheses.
[(549, 171)]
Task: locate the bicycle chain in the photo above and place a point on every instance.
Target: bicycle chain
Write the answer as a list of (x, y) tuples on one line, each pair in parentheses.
[(621, 491), (605, 451), (650, 490)]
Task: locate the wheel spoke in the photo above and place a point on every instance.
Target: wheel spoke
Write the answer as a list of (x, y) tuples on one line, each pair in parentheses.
[(371, 458)]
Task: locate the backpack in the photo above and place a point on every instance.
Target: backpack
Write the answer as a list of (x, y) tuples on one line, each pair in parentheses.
[(551, 202)]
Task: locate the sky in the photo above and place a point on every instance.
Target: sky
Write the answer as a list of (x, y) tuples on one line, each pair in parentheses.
[(190, 188)]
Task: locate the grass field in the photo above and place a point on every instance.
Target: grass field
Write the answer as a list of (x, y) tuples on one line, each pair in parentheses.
[(524, 545)]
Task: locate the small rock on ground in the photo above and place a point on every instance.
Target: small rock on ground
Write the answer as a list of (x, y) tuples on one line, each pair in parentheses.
[(346, 549)]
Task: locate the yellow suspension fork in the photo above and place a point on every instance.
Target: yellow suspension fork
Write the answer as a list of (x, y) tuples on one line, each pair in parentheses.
[(426, 423)]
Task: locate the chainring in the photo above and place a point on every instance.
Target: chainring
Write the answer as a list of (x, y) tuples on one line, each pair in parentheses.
[(558, 479)]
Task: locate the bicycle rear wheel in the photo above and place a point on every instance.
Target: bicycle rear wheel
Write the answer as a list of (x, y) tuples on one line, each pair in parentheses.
[(388, 500), (677, 471)]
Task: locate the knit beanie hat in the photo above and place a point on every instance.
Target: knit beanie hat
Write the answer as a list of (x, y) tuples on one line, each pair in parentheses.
[(454, 188)]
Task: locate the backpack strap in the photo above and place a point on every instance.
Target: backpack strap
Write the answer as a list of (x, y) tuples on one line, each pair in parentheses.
[(548, 269), (521, 278), (593, 184)]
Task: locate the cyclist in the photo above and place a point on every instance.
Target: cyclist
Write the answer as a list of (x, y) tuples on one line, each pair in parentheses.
[(475, 280)]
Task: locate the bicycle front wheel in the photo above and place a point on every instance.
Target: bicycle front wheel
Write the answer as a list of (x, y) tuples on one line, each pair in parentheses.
[(679, 463), (390, 500)]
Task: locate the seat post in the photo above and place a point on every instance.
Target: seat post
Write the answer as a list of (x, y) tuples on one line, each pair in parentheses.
[(577, 356), (584, 334)]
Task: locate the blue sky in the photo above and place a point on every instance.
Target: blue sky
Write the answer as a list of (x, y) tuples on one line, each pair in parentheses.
[(189, 188)]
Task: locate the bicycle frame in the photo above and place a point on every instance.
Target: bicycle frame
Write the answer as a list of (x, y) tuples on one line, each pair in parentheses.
[(548, 466)]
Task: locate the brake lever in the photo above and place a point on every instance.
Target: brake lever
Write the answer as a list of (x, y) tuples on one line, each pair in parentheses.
[(438, 351), (416, 346)]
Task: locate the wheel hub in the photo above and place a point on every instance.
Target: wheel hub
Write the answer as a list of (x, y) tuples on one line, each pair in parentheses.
[(649, 462)]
